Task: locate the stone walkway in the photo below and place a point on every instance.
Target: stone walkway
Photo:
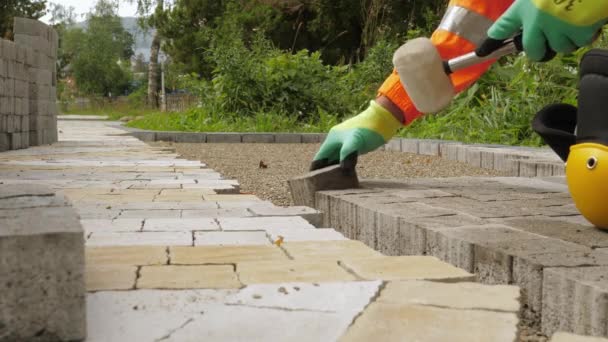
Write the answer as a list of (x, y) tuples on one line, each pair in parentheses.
[(175, 253)]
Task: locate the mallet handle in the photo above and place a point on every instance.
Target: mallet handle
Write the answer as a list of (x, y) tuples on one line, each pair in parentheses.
[(472, 58)]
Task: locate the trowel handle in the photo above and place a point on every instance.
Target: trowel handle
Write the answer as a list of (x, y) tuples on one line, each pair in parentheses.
[(509, 47)]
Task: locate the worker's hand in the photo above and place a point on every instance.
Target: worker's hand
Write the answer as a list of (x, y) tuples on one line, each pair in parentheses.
[(359, 135), (563, 26)]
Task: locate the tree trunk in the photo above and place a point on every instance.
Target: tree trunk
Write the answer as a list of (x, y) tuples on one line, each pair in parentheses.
[(153, 66), (153, 72)]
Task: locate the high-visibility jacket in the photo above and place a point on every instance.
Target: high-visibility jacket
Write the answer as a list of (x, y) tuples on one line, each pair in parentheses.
[(462, 29)]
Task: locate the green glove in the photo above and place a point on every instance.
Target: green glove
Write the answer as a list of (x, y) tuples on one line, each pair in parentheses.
[(563, 25), (356, 136)]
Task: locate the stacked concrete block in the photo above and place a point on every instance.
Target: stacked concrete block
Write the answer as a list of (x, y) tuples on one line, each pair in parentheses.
[(42, 287), (36, 55), (13, 97)]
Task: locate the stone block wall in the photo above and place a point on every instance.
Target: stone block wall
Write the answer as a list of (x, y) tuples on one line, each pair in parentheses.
[(28, 86)]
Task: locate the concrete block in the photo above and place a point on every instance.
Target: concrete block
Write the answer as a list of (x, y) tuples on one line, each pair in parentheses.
[(429, 147), (393, 145), (409, 145), (449, 150), (303, 188), (527, 169), (313, 138), (473, 156), (288, 138), (166, 136), (8, 50), (3, 68), (223, 138), (189, 137), (367, 224), (4, 142), (504, 162), (487, 160), (257, 138), (42, 266), (544, 170), (575, 300), (27, 26), (322, 203)]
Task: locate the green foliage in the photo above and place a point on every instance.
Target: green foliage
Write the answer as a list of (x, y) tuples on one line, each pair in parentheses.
[(98, 57), (9, 9)]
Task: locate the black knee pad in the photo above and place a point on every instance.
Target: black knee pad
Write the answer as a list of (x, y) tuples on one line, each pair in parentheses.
[(556, 124), (593, 98)]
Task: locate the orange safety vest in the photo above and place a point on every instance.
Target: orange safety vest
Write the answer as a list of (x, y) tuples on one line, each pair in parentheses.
[(461, 30)]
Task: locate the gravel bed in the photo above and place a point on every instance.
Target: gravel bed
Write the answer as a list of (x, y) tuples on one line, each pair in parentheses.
[(263, 169)]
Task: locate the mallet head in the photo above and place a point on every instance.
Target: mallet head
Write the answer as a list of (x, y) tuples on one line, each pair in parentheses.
[(422, 73)]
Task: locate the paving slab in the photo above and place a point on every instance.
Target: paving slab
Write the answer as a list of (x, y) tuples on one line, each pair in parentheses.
[(139, 239), (188, 277), (230, 238), (176, 225)]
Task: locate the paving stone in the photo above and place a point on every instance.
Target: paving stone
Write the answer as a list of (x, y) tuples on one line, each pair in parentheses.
[(315, 271), (149, 214), (394, 322), (200, 314), (469, 296), (188, 277), (262, 223), (304, 188), (110, 277), (230, 238), (106, 225), (330, 250), (563, 230), (215, 138), (207, 213), (566, 337), (311, 215), (576, 300), (327, 297), (429, 147), (293, 235), (409, 146), (258, 138), (100, 239), (393, 145), (406, 268), (126, 256), (224, 254), (182, 224), (219, 198), (288, 138)]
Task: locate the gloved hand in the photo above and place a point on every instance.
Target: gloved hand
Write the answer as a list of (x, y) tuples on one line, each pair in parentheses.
[(356, 136), (563, 26)]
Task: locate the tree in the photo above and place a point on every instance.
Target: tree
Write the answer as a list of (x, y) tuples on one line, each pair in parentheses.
[(152, 14), (100, 54), (33, 9)]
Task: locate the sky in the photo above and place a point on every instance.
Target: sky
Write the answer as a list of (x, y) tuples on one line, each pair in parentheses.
[(84, 6)]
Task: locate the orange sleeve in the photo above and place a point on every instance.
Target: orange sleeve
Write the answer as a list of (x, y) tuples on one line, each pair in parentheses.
[(449, 46)]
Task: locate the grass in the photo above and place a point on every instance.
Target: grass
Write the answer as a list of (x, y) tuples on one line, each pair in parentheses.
[(198, 120)]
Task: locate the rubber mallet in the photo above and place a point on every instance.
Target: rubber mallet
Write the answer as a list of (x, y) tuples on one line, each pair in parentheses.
[(425, 75)]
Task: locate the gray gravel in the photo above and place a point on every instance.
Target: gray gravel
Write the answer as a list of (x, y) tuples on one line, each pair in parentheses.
[(284, 161)]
